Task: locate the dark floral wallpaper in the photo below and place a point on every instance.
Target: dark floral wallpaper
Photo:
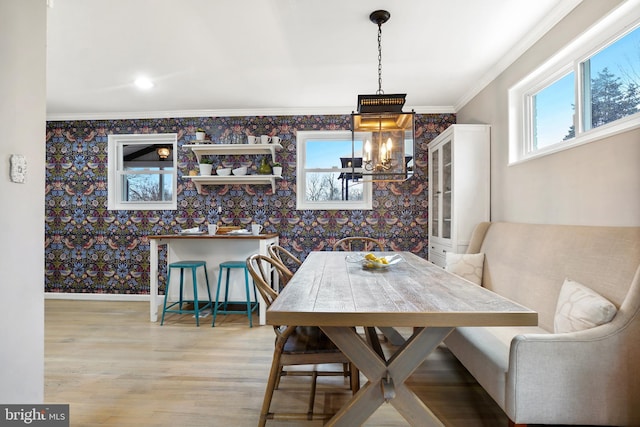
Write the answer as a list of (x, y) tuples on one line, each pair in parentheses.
[(89, 249)]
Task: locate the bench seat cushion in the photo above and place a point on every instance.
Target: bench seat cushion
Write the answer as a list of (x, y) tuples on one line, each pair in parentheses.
[(485, 353)]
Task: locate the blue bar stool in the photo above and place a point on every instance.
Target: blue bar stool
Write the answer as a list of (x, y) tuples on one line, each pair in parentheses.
[(183, 265), (251, 305)]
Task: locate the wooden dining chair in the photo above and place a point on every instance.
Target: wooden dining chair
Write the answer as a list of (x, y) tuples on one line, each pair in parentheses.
[(296, 345), (358, 243), (288, 260)]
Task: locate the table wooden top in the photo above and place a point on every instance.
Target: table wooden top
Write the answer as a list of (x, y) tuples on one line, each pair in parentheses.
[(329, 291), (215, 236)]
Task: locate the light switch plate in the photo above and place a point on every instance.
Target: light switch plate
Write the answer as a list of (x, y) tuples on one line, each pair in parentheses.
[(18, 168)]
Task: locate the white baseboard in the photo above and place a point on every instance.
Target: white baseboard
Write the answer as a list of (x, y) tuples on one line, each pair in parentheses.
[(95, 297)]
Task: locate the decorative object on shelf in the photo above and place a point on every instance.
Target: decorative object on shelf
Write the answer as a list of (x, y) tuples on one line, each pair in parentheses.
[(206, 166), (388, 155), (242, 170), (163, 152), (224, 171), (277, 169), (253, 139), (200, 134), (237, 138), (265, 167)]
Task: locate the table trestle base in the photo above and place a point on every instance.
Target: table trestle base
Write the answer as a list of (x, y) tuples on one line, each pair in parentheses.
[(386, 377)]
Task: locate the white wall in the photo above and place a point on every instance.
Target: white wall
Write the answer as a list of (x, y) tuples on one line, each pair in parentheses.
[(594, 184), (22, 126)]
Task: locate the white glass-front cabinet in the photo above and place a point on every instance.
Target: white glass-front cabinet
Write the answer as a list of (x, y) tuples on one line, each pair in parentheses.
[(459, 188)]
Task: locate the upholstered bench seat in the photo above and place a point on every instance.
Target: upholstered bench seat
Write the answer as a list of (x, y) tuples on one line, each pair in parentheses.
[(580, 365)]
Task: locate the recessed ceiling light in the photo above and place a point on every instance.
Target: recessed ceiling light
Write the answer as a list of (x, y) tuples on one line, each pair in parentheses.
[(143, 83)]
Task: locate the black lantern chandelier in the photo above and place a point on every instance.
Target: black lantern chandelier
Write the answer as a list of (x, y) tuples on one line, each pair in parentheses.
[(382, 132)]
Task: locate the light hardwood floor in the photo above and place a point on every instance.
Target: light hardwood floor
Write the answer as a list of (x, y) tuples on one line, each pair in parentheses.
[(115, 368)]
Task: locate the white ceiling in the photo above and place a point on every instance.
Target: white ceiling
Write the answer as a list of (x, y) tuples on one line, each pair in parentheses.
[(269, 56)]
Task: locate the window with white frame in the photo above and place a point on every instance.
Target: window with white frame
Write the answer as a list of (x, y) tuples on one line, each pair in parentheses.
[(325, 176), (142, 172), (589, 90)]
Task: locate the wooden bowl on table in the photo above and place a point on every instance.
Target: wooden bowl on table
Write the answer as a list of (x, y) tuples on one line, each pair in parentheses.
[(227, 228)]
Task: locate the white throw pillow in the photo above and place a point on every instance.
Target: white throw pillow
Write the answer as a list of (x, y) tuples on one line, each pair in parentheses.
[(581, 308), (467, 266)]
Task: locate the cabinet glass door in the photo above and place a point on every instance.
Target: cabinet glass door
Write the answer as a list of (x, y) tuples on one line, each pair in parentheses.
[(446, 190), (435, 192)]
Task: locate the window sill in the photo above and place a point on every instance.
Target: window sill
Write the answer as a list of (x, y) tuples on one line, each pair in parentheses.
[(619, 126)]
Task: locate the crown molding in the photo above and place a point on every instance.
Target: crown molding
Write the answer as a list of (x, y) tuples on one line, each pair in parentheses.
[(260, 112), (553, 18)]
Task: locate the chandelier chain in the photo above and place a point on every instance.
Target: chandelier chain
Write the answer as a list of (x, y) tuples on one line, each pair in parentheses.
[(380, 91)]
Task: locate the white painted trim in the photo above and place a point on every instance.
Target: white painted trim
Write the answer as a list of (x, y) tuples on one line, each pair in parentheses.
[(443, 109), (259, 112), (95, 297), (115, 167), (604, 32), (130, 115), (301, 203), (610, 129), (556, 15)]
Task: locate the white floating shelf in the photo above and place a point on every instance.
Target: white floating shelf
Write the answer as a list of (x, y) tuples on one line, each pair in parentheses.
[(200, 180), (233, 149)]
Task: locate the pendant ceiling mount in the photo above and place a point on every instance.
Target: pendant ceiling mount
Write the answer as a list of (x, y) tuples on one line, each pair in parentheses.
[(379, 17)]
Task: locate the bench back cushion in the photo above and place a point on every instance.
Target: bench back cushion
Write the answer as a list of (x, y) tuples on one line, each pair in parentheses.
[(528, 263)]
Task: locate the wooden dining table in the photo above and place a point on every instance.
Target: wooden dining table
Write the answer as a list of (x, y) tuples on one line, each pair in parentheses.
[(335, 292)]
